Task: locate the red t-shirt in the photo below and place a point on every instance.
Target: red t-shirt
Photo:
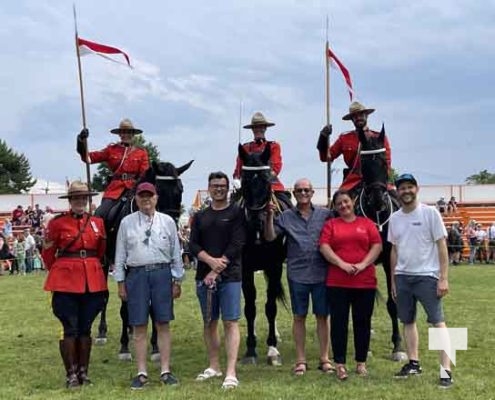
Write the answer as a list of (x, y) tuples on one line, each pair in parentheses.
[(351, 241)]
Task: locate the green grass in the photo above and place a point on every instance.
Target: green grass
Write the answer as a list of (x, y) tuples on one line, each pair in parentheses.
[(31, 368)]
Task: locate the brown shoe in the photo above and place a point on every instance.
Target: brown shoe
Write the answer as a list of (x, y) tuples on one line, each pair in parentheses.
[(341, 372)]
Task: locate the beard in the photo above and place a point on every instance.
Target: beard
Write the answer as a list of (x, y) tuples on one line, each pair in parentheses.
[(407, 198)]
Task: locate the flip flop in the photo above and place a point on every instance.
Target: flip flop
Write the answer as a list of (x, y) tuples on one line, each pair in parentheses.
[(208, 373), (230, 382)]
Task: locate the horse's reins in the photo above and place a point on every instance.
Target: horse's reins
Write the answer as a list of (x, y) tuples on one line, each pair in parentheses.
[(377, 223)]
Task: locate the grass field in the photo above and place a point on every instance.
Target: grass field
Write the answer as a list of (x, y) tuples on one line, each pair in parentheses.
[(31, 368)]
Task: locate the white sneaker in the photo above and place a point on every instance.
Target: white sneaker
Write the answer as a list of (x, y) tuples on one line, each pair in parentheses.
[(208, 373)]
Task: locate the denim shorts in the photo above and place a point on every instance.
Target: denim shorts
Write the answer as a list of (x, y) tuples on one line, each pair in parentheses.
[(149, 287), (226, 298), (414, 288), (299, 298)]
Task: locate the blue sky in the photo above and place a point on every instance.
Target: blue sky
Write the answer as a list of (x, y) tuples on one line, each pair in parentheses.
[(427, 68)]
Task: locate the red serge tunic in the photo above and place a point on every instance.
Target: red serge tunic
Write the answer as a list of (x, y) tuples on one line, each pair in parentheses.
[(134, 165), (348, 144), (351, 241), (75, 274), (275, 161)]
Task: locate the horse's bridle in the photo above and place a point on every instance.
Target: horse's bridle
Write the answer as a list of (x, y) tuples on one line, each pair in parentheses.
[(376, 184), (257, 168), (168, 178)]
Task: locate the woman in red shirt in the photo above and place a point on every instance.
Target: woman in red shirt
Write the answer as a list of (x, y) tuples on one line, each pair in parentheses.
[(350, 244)]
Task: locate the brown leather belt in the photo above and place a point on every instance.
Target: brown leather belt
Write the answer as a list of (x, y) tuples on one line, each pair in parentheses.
[(78, 254)]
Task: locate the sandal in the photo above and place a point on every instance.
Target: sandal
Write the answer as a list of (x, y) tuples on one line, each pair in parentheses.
[(361, 369), (326, 367), (341, 372), (230, 382), (208, 373), (300, 368)]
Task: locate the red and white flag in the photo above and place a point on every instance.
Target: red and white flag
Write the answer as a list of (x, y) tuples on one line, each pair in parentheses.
[(345, 72), (87, 47)]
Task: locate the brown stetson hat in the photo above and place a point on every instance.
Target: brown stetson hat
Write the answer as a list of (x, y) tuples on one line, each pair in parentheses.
[(126, 126), (258, 120), (356, 108), (78, 188)]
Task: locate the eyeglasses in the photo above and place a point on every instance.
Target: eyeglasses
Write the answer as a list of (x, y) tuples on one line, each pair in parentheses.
[(218, 186), (303, 190)]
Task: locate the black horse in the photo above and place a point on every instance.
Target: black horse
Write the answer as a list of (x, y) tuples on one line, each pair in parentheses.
[(259, 254), (374, 201), (165, 177)]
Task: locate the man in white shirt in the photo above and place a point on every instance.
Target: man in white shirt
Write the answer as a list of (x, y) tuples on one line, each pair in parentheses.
[(148, 247), (419, 262)]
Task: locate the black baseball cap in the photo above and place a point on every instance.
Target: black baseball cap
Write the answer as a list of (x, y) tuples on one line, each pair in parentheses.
[(406, 178)]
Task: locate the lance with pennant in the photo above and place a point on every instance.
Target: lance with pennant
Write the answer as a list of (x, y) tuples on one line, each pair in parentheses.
[(83, 111)]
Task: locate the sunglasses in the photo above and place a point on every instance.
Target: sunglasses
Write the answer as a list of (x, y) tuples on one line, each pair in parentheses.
[(303, 190), (146, 241)]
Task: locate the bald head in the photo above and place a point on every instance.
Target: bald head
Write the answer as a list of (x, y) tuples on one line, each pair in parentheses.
[(303, 182)]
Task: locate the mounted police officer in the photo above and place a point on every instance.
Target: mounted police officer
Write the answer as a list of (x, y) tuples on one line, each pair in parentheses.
[(258, 125), (126, 161), (348, 145)]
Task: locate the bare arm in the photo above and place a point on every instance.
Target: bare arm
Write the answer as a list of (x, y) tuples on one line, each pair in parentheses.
[(269, 231), (393, 264), (443, 257)]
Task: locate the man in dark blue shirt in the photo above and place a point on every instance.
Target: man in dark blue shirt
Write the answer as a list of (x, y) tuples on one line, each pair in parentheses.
[(306, 269)]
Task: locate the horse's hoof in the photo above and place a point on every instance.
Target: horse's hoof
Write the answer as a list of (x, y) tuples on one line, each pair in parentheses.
[(100, 341), (399, 356), (155, 357), (274, 361), (249, 360), (125, 356)]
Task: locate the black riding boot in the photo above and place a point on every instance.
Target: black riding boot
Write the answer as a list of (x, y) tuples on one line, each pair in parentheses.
[(69, 354), (84, 353)]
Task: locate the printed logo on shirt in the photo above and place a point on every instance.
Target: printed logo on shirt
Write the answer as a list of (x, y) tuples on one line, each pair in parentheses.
[(360, 229), (417, 223)]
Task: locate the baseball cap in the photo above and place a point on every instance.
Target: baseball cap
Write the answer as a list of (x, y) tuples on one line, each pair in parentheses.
[(406, 178), (145, 187)]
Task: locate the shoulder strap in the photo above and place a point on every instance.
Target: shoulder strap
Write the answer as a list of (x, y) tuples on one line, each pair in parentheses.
[(83, 228)]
